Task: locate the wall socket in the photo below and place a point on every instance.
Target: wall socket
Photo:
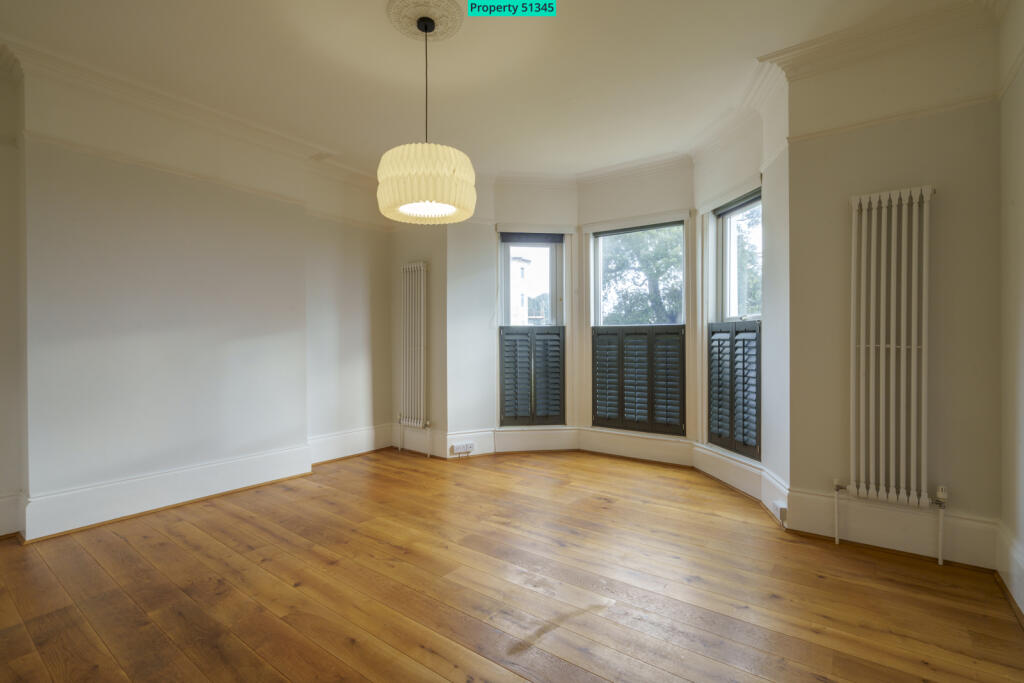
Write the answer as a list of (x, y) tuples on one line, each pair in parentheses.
[(462, 448)]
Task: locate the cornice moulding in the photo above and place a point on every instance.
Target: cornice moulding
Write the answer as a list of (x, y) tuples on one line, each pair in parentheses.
[(1012, 74), (719, 135), (635, 168), (996, 7), (839, 49), (898, 116), (767, 79), (9, 64), (36, 61)]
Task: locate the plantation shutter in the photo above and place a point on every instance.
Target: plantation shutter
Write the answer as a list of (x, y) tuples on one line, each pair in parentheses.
[(606, 378), (515, 377), (635, 374), (720, 381), (668, 397), (532, 375), (734, 391), (638, 378), (548, 376)]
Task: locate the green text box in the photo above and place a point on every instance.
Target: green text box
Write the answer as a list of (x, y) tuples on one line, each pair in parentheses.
[(512, 9)]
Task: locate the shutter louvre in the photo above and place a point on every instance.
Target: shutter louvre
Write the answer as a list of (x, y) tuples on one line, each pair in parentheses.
[(532, 375), (606, 378), (638, 378), (734, 387), (668, 397), (548, 376)]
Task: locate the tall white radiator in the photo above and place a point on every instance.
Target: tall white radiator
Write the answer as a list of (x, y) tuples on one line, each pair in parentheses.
[(889, 346), (414, 345)]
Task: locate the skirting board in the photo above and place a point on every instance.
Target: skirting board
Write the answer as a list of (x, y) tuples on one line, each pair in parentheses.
[(637, 445), (483, 442), (11, 507), (61, 511), (430, 441), (524, 439), (1010, 563), (325, 447), (966, 539), (734, 470), (739, 472)]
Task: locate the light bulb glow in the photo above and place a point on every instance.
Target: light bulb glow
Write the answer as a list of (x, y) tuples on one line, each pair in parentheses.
[(427, 209)]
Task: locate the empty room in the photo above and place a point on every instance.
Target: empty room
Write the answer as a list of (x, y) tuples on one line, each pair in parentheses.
[(477, 340)]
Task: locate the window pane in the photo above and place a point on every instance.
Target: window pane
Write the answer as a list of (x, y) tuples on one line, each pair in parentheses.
[(530, 285), (743, 262), (641, 277)]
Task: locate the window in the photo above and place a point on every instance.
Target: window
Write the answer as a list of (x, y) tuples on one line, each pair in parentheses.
[(639, 276), (740, 259), (637, 340), (531, 341), (531, 274), (734, 341)]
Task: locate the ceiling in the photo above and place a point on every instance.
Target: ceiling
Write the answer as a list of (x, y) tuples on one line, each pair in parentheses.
[(604, 83)]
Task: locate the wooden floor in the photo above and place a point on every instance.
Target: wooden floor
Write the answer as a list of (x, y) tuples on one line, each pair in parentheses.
[(553, 567)]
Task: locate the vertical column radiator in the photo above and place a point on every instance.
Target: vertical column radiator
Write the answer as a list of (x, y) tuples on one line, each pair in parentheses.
[(414, 345), (889, 346)]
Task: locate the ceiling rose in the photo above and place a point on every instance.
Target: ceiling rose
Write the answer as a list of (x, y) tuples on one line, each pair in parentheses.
[(447, 16)]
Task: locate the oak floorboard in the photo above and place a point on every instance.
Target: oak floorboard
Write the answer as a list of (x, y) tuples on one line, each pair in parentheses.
[(562, 566)]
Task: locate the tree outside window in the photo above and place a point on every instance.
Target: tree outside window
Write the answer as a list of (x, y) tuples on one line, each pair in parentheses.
[(641, 274), (744, 269)]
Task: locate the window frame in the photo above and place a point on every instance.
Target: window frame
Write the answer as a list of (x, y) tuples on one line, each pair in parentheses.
[(596, 284), (554, 242), (719, 251)]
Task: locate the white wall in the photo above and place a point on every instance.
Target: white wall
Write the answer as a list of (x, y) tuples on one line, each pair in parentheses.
[(775, 330), (472, 328), (957, 152), (348, 338), (638, 192), (12, 310), (953, 68), (166, 323), (729, 165), (1011, 560)]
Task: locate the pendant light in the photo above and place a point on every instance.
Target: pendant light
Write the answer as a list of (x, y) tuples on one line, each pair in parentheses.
[(423, 182)]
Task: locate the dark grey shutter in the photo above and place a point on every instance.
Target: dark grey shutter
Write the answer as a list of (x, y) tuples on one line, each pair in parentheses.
[(548, 375), (636, 395), (515, 376), (606, 378), (734, 392), (532, 375), (720, 385), (638, 378), (668, 397), (746, 429)]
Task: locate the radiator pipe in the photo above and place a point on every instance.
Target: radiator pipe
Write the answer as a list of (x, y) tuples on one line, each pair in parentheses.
[(836, 488), (835, 513)]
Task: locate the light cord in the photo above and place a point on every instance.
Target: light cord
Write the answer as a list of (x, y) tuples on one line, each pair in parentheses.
[(426, 89)]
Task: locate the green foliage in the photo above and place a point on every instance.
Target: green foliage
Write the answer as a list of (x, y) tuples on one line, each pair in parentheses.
[(749, 261), (642, 277), (538, 310)]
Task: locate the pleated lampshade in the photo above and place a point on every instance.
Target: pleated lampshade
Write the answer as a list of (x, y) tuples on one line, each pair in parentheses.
[(426, 183)]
